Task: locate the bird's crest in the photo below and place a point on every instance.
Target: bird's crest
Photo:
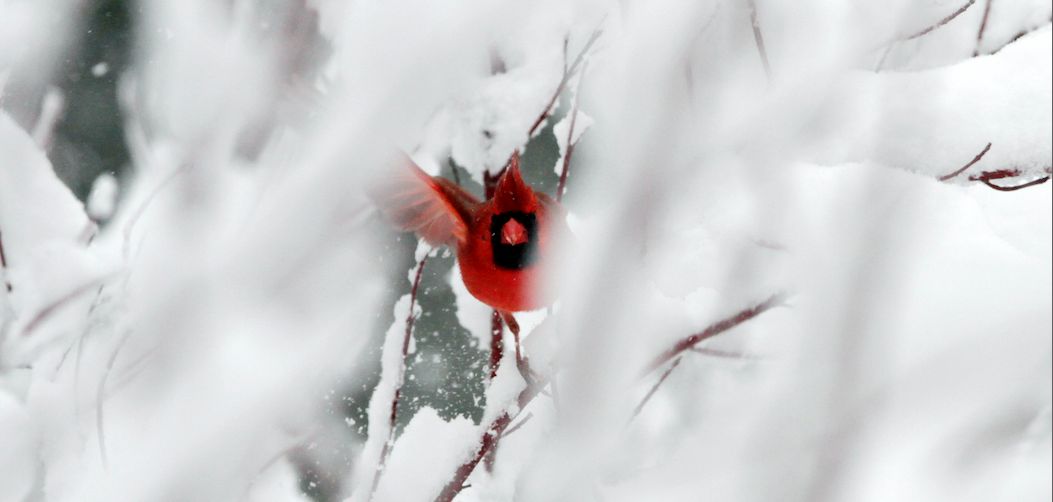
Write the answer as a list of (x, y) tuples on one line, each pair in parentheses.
[(512, 193)]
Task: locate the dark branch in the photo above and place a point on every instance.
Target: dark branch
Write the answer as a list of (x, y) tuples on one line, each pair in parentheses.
[(705, 351), (562, 186), (1014, 188), (518, 424), (941, 22), (759, 39), (983, 27), (567, 74), (1020, 35), (534, 388), (654, 388), (489, 441), (410, 319), (962, 169), (714, 330), (496, 344), (3, 264), (49, 310)]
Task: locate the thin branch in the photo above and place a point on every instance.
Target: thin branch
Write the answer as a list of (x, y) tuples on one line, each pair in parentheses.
[(654, 388), (100, 399), (714, 330), (567, 74), (1021, 34), (410, 319), (962, 169), (705, 351), (488, 442), (139, 211), (941, 22), (496, 344), (1014, 188), (988, 177), (527, 395), (3, 264), (49, 310), (983, 27), (518, 425), (562, 186), (759, 38)]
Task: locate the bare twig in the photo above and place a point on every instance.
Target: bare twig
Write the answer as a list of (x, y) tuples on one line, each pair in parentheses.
[(50, 309), (988, 177), (654, 388), (139, 211), (962, 169), (3, 264), (410, 318), (983, 27), (1013, 188), (562, 186), (567, 74), (527, 395), (706, 351), (496, 344), (1019, 35), (714, 330), (940, 23), (99, 398), (488, 442), (518, 425), (759, 38)]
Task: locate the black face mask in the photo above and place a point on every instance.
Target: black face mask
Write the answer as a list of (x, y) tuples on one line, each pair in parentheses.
[(514, 256)]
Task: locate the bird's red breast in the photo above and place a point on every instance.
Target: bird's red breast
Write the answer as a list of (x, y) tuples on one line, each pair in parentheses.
[(501, 243)]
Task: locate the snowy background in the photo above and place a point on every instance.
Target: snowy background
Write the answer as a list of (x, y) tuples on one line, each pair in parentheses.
[(199, 302)]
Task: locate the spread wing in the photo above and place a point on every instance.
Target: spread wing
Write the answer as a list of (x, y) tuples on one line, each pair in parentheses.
[(436, 209)]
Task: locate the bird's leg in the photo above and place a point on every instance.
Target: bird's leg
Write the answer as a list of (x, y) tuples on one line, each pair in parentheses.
[(496, 345), (521, 361)]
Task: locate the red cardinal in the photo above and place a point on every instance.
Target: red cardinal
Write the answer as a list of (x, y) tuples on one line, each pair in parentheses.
[(501, 242)]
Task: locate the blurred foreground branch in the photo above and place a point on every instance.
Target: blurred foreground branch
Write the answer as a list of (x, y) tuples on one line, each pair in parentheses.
[(497, 428)]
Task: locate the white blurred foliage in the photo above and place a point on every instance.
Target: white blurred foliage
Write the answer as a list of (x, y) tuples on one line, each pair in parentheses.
[(103, 197), (181, 351)]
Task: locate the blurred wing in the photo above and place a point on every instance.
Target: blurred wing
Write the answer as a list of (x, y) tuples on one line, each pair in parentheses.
[(436, 209)]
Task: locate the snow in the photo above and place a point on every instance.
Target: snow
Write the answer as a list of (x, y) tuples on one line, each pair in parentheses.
[(427, 452), (935, 121), (103, 198), (17, 441), (197, 330), (472, 314), (100, 69)]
